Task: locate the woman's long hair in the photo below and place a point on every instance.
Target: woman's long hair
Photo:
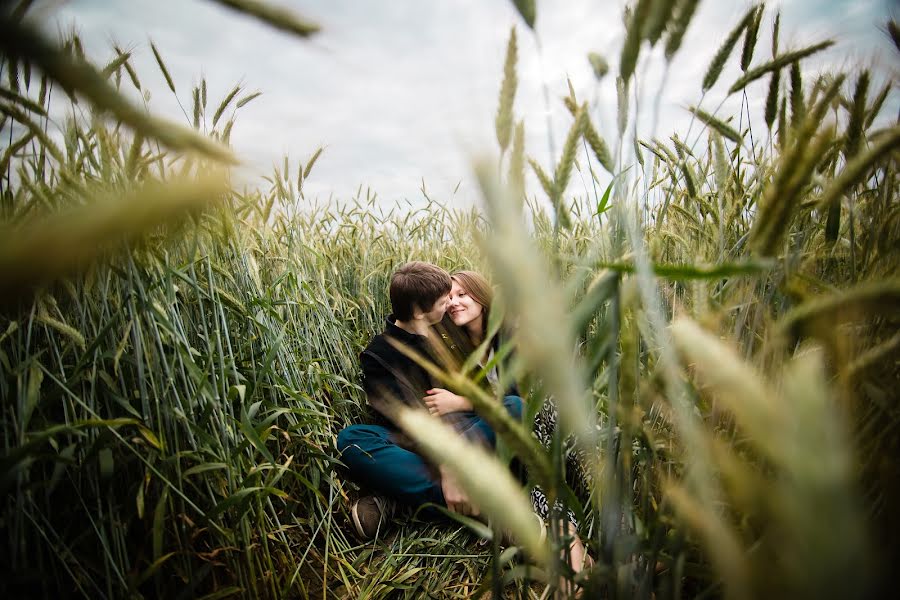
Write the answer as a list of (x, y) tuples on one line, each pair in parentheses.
[(479, 290)]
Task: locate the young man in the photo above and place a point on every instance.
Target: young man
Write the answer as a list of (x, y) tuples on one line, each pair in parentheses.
[(379, 457)]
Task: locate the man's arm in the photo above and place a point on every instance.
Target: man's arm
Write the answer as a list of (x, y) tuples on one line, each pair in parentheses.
[(454, 496), (380, 385), (382, 388)]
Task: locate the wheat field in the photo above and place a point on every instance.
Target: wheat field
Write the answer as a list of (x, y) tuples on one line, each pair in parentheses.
[(718, 327)]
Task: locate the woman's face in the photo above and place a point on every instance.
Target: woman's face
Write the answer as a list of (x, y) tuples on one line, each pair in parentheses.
[(463, 309)]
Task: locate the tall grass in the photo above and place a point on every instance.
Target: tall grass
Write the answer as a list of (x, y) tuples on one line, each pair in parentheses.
[(178, 356)]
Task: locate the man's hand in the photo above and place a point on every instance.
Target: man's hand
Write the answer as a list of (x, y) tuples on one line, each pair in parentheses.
[(456, 499), (441, 402)]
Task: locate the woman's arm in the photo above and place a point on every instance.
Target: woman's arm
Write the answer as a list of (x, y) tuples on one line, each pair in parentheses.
[(441, 402), (454, 496)]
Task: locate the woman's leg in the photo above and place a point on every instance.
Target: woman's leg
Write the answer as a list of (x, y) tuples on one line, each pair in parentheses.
[(545, 424), (475, 428)]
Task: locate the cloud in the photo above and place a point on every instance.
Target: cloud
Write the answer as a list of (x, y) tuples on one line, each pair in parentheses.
[(404, 90)]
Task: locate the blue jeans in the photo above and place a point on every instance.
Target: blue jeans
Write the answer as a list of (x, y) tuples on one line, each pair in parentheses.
[(378, 464)]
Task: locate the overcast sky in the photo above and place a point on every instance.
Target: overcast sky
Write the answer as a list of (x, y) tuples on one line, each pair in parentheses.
[(398, 91)]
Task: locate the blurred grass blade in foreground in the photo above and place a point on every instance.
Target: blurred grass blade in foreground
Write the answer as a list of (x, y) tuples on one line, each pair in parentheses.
[(808, 481), (78, 76), (545, 337), (488, 482), (277, 17), (61, 244)]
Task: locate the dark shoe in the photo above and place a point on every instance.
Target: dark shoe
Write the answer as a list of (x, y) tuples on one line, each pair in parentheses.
[(369, 514)]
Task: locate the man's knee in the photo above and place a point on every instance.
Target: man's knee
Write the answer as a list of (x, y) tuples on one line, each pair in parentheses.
[(513, 405), (355, 436), (346, 438)]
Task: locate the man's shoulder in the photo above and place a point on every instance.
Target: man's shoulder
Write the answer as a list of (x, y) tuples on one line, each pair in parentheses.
[(379, 344), (379, 348), (385, 343), (383, 347)]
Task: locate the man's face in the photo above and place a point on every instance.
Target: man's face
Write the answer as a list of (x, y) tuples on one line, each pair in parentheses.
[(434, 314)]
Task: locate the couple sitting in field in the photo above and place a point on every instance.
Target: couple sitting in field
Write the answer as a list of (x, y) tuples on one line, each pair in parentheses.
[(430, 307)]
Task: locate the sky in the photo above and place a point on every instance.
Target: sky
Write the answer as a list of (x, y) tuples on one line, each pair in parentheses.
[(403, 92)]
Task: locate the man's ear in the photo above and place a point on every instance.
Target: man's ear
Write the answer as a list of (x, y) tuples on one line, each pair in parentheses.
[(418, 314)]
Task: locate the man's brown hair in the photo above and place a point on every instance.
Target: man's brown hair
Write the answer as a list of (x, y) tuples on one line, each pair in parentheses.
[(417, 284)]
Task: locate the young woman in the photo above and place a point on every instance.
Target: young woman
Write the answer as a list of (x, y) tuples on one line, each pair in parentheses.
[(470, 303), (471, 296)]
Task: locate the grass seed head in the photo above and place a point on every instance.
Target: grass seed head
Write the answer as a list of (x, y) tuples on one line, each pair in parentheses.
[(599, 65), (684, 12), (772, 99), (750, 37), (634, 30), (777, 64), (504, 119), (528, 10), (718, 61), (162, 67), (661, 13), (717, 124)]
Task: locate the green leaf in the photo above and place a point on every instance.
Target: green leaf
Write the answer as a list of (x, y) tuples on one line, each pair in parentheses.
[(214, 466), (223, 593), (64, 459), (237, 391), (151, 438), (253, 437), (119, 422), (604, 205), (477, 527), (254, 408), (159, 523), (601, 290), (154, 567), (33, 392), (139, 501), (106, 463), (242, 495)]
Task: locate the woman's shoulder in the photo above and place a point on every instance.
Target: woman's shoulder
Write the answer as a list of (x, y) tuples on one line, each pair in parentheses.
[(505, 333), (454, 338)]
